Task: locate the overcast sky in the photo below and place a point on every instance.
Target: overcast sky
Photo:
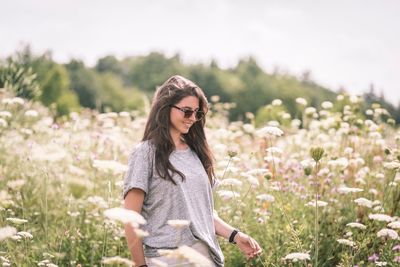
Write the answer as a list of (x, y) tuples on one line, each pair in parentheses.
[(349, 43)]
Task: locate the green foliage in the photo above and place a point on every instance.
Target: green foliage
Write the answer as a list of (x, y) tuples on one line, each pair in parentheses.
[(55, 83), (115, 84), (108, 64), (148, 72), (85, 83), (272, 113), (56, 89), (113, 96), (19, 79), (67, 103)]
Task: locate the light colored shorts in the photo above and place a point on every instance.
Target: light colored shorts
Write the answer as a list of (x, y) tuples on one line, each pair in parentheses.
[(199, 246)]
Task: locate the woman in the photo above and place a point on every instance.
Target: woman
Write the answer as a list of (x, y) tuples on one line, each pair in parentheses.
[(171, 177)]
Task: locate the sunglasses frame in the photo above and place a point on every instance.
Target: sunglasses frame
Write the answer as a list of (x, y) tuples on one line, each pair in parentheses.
[(187, 112)]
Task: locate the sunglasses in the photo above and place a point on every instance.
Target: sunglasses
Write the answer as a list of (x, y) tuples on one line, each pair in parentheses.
[(187, 113)]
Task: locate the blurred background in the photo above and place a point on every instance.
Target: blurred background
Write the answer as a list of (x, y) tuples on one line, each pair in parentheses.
[(111, 56)]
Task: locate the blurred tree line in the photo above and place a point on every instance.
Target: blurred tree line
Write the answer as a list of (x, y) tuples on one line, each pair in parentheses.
[(128, 84)]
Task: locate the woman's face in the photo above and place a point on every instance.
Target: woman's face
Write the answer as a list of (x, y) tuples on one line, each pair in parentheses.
[(180, 124)]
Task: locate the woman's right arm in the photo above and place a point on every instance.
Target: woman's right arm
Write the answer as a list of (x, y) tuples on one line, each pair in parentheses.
[(134, 201)]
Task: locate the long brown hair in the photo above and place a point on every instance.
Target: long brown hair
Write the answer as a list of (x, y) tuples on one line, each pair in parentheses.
[(158, 124)]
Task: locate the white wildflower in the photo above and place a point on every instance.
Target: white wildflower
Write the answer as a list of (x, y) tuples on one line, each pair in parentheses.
[(140, 233), (270, 130), (124, 114), (363, 202), (225, 194), (286, 116), (18, 100), (259, 171), (16, 237), (319, 203), (348, 150), (356, 225), (327, 105), (119, 184), (297, 256), (31, 113), (273, 123), (276, 102), (369, 112), (265, 198), (394, 225), (373, 191), (215, 98), (274, 150), (301, 101), (25, 234), (380, 263), (231, 182), (393, 165), (98, 201), (272, 159), (7, 232), (340, 163), (380, 217), (388, 233), (16, 184), (354, 99), (340, 97), (310, 111), (248, 128), (346, 242), (379, 209), (26, 131), (346, 190), (308, 163), (295, 123), (3, 123), (252, 180), (117, 260), (375, 135), (125, 216), (5, 114)]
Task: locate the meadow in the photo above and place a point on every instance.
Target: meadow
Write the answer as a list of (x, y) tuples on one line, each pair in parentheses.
[(320, 189)]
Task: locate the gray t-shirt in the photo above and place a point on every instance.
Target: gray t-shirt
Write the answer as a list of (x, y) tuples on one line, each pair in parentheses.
[(188, 200)]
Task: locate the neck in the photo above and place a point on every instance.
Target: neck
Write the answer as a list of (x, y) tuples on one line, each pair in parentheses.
[(178, 140)]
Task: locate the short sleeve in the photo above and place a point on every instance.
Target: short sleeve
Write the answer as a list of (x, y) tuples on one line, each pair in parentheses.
[(140, 168)]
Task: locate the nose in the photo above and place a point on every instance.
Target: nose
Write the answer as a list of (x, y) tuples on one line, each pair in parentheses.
[(193, 116)]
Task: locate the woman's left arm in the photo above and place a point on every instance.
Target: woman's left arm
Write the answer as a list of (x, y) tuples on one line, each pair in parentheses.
[(249, 247)]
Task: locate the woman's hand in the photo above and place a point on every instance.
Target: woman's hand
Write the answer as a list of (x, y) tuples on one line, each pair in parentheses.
[(249, 247)]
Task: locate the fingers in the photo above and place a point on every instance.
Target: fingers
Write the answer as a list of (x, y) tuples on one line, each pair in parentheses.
[(256, 249), (252, 243), (253, 248)]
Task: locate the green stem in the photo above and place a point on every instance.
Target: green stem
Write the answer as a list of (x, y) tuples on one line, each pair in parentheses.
[(226, 168), (316, 226)]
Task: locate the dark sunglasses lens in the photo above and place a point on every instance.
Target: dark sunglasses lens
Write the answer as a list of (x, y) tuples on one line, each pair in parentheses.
[(188, 113), (199, 115)]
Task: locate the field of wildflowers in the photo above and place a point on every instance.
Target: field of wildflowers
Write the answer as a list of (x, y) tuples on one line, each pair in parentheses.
[(320, 191)]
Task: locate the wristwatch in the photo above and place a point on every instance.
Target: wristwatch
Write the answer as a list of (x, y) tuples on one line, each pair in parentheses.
[(232, 236)]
